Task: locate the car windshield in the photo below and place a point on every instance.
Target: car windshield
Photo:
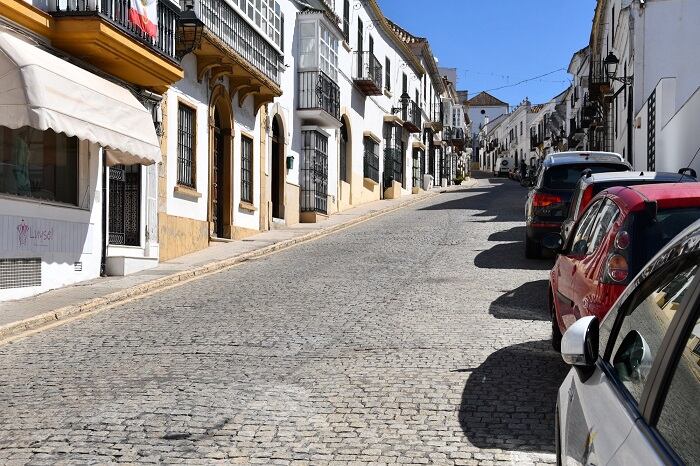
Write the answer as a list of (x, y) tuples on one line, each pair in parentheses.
[(566, 176)]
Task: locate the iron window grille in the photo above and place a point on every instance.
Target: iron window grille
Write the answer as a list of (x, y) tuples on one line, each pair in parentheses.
[(314, 172), (387, 74), (651, 132), (371, 159), (185, 146), (125, 205), (318, 91), (393, 154), (246, 169), (417, 166)]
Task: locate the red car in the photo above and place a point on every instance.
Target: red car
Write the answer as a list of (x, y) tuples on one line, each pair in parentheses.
[(619, 232)]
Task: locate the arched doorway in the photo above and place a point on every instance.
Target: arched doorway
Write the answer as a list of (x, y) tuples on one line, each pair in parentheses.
[(220, 211), (278, 170), (344, 171)]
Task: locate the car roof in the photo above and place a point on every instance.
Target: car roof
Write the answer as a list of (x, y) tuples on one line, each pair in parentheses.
[(666, 195), (686, 242), (606, 177), (570, 158)]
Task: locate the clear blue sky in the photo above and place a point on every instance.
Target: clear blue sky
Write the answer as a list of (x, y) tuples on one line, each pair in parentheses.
[(495, 43)]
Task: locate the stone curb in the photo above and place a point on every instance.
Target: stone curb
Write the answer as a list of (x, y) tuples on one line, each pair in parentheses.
[(34, 323)]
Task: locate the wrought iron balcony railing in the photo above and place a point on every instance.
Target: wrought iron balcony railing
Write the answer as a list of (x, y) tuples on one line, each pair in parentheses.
[(236, 32), (116, 12), (435, 112), (317, 91), (412, 117), (368, 73)]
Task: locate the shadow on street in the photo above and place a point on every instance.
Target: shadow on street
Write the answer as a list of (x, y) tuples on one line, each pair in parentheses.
[(526, 302), (508, 401), (514, 234), (509, 256)]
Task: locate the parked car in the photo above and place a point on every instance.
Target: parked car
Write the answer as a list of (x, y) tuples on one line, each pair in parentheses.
[(502, 167), (590, 184), (618, 233), (633, 394), (549, 199)]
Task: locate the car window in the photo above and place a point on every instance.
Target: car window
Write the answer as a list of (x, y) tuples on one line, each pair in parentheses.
[(643, 328), (604, 222), (680, 414), (566, 176), (579, 244)]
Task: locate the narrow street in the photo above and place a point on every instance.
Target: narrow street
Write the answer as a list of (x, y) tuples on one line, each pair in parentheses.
[(418, 337)]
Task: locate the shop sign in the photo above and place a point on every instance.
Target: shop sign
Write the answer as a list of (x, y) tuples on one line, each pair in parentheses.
[(40, 235)]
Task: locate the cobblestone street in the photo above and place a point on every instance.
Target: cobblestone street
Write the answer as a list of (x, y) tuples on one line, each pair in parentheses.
[(418, 337)]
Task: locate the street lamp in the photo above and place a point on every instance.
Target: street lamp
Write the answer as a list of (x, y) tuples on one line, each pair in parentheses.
[(403, 100), (189, 31), (611, 62)]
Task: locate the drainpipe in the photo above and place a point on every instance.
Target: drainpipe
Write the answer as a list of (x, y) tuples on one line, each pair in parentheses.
[(103, 259)]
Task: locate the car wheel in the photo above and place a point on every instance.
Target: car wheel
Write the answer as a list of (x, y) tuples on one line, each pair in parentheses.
[(556, 333), (532, 249)]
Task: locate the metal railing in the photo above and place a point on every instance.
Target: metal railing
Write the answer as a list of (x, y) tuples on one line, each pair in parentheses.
[(235, 31), (318, 91), (371, 163), (117, 13), (435, 112), (393, 166), (411, 114), (368, 68)]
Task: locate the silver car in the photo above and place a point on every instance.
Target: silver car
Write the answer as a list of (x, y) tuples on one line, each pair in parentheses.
[(633, 393)]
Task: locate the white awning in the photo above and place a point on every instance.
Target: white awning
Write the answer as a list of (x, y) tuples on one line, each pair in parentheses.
[(40, 90)]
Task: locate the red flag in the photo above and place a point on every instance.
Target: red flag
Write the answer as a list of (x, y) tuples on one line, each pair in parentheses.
[(144, 15)]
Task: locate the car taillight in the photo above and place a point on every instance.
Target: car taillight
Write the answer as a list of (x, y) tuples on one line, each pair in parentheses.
[(617, 268), (545, 200), (585, 199), (622, 240)]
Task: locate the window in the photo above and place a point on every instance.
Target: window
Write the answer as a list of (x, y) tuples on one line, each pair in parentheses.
[(344, 152), (329, 53), (404, 84), (566, 176), (607, 216), (371, 159), (185, 146), (346, 19), (644, 324), (579, 244), (680, 415), (246, 169), (308, 54), (360, 35), (387, 74), (314, 172), (39, 164), (521, 128)]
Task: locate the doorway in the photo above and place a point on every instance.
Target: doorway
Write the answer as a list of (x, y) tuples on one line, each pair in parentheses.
[(278, 169), (218, 174)]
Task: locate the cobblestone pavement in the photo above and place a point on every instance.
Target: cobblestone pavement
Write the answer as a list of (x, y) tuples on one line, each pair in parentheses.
[(417, 337)]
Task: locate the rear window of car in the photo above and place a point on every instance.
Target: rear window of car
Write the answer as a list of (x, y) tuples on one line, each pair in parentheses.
[(650, 237), (566, 176)]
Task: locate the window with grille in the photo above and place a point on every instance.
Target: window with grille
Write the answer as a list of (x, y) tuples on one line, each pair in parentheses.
[(246, 169), (346, 19), (185, 146), (387, 74), (371, 159), (314, 172)]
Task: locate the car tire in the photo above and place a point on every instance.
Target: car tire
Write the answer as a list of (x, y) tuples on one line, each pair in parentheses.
[(556, 333), (532, 249)]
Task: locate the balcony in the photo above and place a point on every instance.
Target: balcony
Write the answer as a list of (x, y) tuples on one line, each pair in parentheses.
[(411, 116), (100, 32), (598, 82), (319, 98), (367, 73), (434, 114)]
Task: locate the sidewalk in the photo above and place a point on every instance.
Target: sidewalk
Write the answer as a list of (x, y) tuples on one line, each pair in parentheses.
[(31, 313)]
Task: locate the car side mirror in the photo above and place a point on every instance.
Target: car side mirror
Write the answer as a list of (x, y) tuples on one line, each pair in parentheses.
[(579, 345), (553, 241)]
